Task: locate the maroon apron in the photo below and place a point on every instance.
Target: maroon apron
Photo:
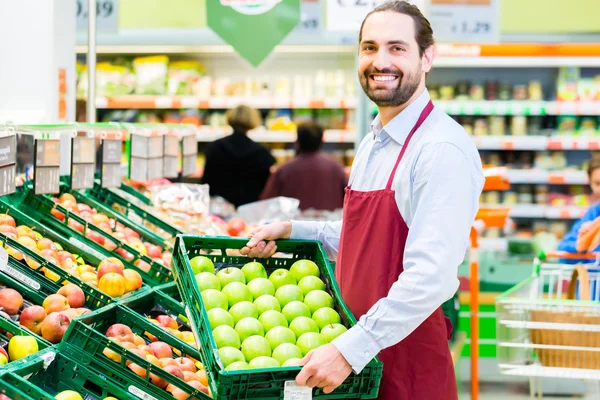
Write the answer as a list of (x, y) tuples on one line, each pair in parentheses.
[(370, 260)]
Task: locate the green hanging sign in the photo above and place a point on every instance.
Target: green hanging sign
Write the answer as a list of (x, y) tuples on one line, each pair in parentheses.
[(253, 27)]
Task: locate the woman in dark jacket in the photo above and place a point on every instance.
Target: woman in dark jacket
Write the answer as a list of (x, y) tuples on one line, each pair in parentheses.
[(237, 168)]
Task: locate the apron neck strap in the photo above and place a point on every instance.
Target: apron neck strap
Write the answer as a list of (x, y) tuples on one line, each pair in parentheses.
[(424, 114)]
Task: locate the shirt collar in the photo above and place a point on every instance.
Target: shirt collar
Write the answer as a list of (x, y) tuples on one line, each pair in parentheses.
[(400, 126)]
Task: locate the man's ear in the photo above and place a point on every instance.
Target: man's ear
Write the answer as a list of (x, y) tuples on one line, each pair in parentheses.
[(427, 59)]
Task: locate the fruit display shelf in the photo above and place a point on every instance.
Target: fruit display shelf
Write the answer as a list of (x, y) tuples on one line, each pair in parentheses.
[(44, 375), (134, 353), (264, 382), (40, 208), (133, 212), (23, 341), (63, 260)]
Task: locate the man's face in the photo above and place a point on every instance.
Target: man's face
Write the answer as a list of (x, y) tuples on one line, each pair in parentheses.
[(390, 67)]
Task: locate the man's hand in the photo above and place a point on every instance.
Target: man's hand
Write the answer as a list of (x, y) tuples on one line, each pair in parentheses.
[(258, 247), (324, 367), (585, 226)]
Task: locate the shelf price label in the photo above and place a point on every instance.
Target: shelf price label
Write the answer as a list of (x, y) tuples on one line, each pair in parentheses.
[(171, 156), (146, 157), (465, 21), (110, 168), (83, 162), (107, 15), (8, 163), (189, 148), (46, 166)]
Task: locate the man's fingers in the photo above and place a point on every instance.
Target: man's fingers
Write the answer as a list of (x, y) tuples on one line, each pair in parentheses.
[(307, 371), (257, 237), (268, 250), (306, 358), (314, 381), (329, 389)]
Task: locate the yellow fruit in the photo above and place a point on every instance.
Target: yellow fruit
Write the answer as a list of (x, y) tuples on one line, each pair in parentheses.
[(110, 398), (112, 284), (68, 395), (51, 275), (21, 346)]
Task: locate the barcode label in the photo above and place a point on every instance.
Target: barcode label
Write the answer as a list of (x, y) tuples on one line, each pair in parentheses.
[(86, 248), (48, 358), (293, 391), (140, 393), (10, 271)]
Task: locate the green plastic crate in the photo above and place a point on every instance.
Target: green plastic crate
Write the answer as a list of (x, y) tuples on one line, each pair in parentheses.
[(51, 372), (61, 276), (39, 207), (130, 210), (264, 384), (85, 339), (136, 193), (8, 326)]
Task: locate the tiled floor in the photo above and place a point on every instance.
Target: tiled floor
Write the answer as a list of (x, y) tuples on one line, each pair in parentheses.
[(519, 391)]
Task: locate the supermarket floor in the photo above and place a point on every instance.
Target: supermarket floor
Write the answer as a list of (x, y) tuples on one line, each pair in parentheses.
[(520, 391)]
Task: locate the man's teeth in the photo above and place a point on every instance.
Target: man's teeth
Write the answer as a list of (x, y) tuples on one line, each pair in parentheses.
[(384, 78)]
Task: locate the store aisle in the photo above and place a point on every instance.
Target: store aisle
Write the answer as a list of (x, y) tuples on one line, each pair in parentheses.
[(520, 391)]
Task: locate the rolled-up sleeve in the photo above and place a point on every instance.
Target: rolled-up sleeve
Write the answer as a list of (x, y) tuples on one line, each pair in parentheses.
[(327, 233), (446, 185)]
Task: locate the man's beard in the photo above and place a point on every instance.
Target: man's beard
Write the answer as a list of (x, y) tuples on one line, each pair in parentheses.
[(392, 97)]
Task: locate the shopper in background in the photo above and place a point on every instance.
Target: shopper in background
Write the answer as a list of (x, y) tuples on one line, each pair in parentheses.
[(569, 243), (408, 211), (315, 179), (237, 168)]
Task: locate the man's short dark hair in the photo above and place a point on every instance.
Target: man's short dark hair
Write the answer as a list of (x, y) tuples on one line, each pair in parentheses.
[(310, 137)]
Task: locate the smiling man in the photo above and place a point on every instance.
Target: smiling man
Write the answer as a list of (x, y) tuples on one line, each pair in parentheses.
[(409, 206)]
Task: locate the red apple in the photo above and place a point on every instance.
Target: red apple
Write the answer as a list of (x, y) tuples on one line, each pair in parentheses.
[(236, 226), (23, 230), (67, 196), (186, 364), (98, 218), (9, 230), (143, 265), (55, 303), (7, 220), (11, 301), (109, 245), (84, 207), (161, 350), (74, 295), (153, 251), (121, 332), (54, 327), (174, 370), (87, 216), (110, 264), (57, 214), (75, 225), (95, 236), (131, 233), (32, 317), (167, 322)]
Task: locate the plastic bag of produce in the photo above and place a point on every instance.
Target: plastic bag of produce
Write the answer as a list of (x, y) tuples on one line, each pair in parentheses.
[(151, 74), (182, 197), (182, 77), (268, 211)]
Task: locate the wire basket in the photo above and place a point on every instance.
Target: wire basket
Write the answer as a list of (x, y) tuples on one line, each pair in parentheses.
[(549, 324)]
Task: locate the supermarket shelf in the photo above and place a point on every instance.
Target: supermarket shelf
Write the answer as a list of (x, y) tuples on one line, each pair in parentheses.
[(513, 107), (541, 176), (209, 134), (496, 244), (171, 102), (550, 372), (536, 143), (542, 211)]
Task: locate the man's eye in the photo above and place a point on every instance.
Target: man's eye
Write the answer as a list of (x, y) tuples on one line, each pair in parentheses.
[(398, 48), (368, 48)]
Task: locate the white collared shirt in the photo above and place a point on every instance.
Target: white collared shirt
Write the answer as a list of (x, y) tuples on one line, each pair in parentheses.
[(437, 187)]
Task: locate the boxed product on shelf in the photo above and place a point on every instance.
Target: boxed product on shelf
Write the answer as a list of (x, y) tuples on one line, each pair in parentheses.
[(151, 74), (132, 351), (267, 379), (49, 373)]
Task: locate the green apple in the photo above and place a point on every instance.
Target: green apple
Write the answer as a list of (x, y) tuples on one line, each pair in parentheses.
[(263, 362), (229, 355), (202, 264), (247, 327), (295, 309), (226, 336), (288, 293), (214, 299), (218, 317), (310, 283), (332, 331), (236, 292), (304, 268), (302, 325), (256, 346), (285, 351), (207, 280), (3, 359), (310, 341), (231, 274), (254, 270), (280, 335), (237, 366), (326, 316), (242, 310), (292, 362), (261, 286), (267, 302), (318, 299), (281, 277), (271, 319)]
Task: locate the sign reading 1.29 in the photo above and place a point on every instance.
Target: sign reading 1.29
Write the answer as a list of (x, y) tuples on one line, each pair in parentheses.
[(107, 18), (473, 27)]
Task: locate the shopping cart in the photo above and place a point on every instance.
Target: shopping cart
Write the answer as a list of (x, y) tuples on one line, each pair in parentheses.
[(549, 324)]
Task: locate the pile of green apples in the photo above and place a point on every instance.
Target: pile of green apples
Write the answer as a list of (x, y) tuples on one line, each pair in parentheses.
[(261, 321)]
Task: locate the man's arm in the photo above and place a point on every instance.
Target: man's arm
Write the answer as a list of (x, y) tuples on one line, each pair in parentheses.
[(327, 233), (445, 196)]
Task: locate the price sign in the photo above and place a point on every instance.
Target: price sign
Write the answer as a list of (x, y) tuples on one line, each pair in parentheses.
[(465, 21), (171, 157), (46, 166), (311, 12), (347, 15), (83, 165), (8, 160), (189, 148), (110, 170), (107, 15), (146, 157)]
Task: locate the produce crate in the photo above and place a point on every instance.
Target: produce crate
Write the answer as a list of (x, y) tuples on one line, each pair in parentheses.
[(40, 208), (129, 209), (264, 384), (50, 372), (7, 327), (32, 261), (86, 340), (136, 193)]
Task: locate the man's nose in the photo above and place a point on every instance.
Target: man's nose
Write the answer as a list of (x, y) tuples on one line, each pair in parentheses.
[(382, 60)]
